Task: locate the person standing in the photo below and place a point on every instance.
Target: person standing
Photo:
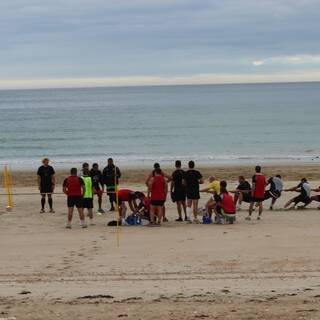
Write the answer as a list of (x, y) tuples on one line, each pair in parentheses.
[(193, 178), (46, 184), (158, 188), (73, 187), (178, 190), (97, 182), (259, 183), (111, 175), (88, 193)]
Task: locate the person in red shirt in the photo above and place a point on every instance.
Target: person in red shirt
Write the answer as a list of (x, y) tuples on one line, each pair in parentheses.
[(259, 183), (126, 196), (225, 206), (73, 187), (158, 188)]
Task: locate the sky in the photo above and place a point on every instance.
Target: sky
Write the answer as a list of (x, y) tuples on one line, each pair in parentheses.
[(71, 43)]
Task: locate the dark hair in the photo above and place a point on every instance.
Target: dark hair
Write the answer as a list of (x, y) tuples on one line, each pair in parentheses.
[(85, 164), (156, 165), (157, 171), (95, 165), (139, 194), (73, 171), (278, 176), (304, 180), (223, 186), (110, 160), (178, 164), (241, 177), (191, 164), (258, 169)]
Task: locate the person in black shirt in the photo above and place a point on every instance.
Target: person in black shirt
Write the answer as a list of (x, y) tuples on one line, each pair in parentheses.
[(111, 175), (242, 192), (193, 179), (46, 184), (97, 184), (178, 190)]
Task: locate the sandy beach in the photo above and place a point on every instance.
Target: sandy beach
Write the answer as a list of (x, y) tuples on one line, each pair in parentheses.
[(265, 269)]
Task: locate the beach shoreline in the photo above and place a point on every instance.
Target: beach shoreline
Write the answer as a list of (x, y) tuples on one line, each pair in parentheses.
[(229, 172)]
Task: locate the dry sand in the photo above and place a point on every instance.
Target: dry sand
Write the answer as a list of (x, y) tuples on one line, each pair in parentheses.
[(251, 270)]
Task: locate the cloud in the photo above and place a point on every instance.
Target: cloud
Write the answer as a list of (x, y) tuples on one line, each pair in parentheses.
[(147, 80), (294, 59)]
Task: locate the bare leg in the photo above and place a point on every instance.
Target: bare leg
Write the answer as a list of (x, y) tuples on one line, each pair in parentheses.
[(160, 213), (152, 211), (179, 209), (251, 208), (70, 214), (195, 209), (236, 198), (100, 201), (288, 203), (260, 204)]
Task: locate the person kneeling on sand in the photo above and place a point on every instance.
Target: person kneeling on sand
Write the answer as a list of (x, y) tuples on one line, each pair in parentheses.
[(126, 196), (304, 189), (225, 208), (213, 188), (158, 188), (73, 187)]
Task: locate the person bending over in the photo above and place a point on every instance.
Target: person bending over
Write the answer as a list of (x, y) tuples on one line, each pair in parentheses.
[(126, 196), (276, 187), (316, 197), (46, 184), (304, 189), (73, 187)]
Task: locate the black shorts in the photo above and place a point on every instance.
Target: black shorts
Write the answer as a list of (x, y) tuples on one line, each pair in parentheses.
[(301, 198), (191, 195), (272, 194), (87, 203), (157, 203), (46, 188), (75, 201), (246, 197), (255, 200), (179, 195)]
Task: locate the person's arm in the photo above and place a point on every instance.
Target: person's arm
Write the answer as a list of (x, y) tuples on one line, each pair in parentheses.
[(316, 190), (83, 188), (166, 188), (296, 188), (53, 181), (64, 187), (150, 183), (171, 185), (39, 181), (167, 176), (205, 189), (118, 173)]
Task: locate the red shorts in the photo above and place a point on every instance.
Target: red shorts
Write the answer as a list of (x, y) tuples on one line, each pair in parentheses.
[(98, 192)]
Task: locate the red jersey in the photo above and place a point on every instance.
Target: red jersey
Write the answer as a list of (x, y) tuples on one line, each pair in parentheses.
[(260, 183), (74, 186), (227, 203), (146, 201), (158, 191), (124, 194)]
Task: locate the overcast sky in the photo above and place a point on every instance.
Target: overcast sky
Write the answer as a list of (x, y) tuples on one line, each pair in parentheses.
[(55, 43)]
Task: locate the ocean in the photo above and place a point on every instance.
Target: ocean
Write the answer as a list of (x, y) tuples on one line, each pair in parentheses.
[(211, 124)]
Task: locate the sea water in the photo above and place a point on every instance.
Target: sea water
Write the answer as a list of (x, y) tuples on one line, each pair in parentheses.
[(211, 124)]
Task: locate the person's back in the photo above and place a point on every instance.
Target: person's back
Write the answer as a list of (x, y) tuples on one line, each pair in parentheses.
[(88, 186), (259, 181), (158, 188), (276, 184), (305, 189), (227, 203), (74, 186), (192, 178), (178, 177)]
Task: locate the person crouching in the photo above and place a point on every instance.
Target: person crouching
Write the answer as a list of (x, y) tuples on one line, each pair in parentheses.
[(225, 208)]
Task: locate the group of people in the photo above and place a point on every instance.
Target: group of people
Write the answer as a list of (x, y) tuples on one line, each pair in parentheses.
[(182, 185)]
